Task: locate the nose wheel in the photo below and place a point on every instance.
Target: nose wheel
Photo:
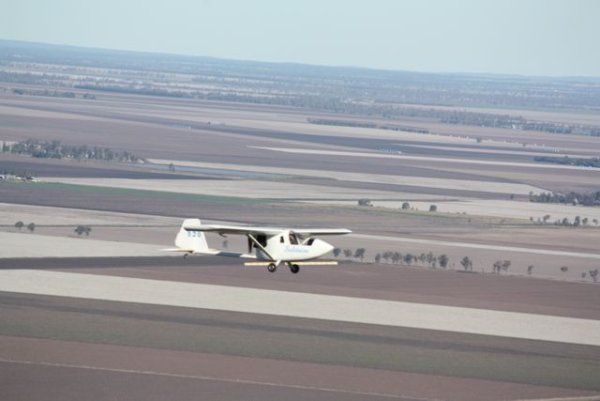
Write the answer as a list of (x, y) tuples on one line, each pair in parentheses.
[(272, 267)]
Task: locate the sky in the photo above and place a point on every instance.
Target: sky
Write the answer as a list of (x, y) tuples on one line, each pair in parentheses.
[(526, 37)]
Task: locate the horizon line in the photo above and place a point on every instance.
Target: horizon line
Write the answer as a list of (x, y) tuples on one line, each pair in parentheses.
[(305, 64)]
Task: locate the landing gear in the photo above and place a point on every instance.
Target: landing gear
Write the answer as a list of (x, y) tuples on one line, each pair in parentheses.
[(294, 269), (272, 267)]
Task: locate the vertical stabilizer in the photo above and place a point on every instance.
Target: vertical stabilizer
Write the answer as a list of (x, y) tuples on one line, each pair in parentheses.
[(189, 239)]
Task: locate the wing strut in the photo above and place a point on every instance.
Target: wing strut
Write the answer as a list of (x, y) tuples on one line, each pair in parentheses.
[(259, 245)]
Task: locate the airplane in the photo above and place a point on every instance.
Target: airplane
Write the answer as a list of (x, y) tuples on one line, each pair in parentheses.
[(272, 246)]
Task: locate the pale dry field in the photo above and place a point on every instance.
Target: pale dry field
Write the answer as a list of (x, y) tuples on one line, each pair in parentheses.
[(310, 306), (404, 157), (571, 116), (486, 149), (242, 188), (490, 208), (119, 234), (26, 245), (134, 123), (10, 213), (547, 265), (120, 108), (426, 182)]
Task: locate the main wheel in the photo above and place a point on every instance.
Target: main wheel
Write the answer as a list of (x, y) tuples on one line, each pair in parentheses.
[(294, 268), (272, 267)]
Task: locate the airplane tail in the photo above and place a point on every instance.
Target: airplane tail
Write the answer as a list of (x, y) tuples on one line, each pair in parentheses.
[(190, 240)]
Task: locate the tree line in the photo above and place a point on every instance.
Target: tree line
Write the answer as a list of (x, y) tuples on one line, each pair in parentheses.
[(574, 198), (79, 230), (56, 150), (397, 257), (570, 161), (443, 261), (340, 104)]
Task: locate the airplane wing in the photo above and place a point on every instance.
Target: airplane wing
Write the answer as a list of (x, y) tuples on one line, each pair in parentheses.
[(244, 230), (321, 231)]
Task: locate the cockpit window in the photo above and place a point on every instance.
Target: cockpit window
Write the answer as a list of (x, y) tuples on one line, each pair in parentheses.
[(293, 239), (281, 239), (310, 241)]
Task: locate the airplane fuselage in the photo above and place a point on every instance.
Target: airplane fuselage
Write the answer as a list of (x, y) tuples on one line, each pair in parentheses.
[(293, 252)]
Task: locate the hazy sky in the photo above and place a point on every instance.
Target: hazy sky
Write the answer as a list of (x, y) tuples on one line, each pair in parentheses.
[(532, 37)]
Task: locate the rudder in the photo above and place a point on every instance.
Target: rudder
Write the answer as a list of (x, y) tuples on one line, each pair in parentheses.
[(190, 239)]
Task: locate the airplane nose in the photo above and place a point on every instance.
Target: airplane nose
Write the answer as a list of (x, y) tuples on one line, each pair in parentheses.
[(324, 247)]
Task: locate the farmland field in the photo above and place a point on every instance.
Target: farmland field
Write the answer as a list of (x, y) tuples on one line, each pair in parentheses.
[(409, 171)]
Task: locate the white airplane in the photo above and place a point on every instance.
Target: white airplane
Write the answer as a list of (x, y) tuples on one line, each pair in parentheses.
[(272, 246)]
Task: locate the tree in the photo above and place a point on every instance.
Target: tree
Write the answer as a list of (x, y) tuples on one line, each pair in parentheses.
[(336, 252), (505, 265), (577, 221), (497, 266), (564, 269), (31, 227), (408, 258), (443, 260), (585, 221), (378, 258), (387, 255), (347, 253), (396, 257), (546, 218), (530, 269), (360, 253), (405, 206), (19, 224), (83, 230), (433, 208), (431, 259), (467, 263), (594, 274)]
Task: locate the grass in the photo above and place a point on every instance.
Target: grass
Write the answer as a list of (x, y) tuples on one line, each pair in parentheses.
[(421, 217), (143, 193)]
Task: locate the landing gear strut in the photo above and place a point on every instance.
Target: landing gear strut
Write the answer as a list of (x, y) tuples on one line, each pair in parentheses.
[(272, 267), (294, 268)]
